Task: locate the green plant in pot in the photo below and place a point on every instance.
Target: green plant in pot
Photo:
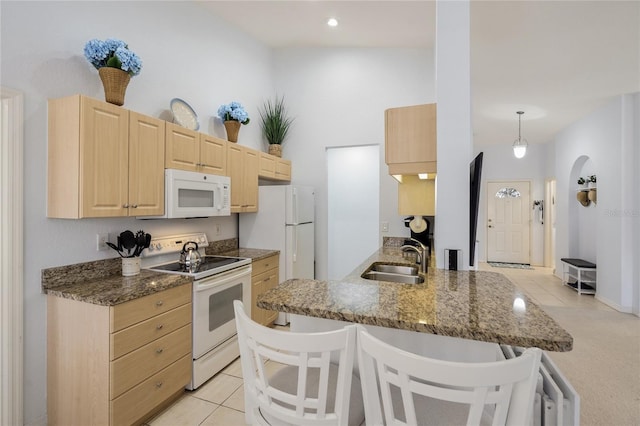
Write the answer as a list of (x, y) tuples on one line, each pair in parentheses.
[(275, 124)]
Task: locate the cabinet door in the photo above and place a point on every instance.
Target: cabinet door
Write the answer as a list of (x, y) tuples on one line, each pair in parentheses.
[(283, 170), (271, 281), (146, 165), (267, 167), (410, 135), (213, 155), (182, 148), (235, 169), (104, 158), (250, 184)]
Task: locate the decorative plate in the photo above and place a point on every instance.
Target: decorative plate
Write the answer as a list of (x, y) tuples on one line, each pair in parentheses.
[(184, 115)]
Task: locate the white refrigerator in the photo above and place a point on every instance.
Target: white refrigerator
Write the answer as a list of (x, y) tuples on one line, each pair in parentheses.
[(285, 222)]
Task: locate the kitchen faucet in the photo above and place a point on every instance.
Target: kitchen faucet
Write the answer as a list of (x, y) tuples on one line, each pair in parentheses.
[(422, 254)]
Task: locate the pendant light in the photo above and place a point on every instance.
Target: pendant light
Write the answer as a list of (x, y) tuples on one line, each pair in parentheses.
[(520, 144)]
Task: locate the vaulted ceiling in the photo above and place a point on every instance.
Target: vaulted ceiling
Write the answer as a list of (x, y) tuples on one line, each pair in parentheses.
[(555, 60)]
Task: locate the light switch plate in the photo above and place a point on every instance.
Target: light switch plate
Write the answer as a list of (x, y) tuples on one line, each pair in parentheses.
[(101, 241), (385, 226)]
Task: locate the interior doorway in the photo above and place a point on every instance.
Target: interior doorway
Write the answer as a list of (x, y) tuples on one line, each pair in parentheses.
[(508, 222), (11, 257), (353, 193)]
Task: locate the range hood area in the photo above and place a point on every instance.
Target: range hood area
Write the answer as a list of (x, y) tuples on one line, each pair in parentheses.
[(410, 140)]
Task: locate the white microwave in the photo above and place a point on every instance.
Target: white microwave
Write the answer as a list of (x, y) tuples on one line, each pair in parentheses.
[(191, 194)]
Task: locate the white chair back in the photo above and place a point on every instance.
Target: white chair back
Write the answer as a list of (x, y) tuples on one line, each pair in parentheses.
[(311, 390), (403, 388)]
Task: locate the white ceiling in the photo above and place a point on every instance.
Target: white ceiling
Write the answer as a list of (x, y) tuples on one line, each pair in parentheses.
[(555, 60)]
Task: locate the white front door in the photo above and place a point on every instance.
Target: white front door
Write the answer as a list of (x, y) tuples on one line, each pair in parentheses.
[(508, 222)]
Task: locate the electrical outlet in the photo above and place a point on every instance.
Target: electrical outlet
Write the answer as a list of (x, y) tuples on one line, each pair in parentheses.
[(217, 226), (101, 241), (385, 226)]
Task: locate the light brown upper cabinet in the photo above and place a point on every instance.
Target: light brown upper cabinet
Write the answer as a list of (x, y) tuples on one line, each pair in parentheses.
[(242, 165), (103, 160), (274, 168), (195, 152), (410, 139)]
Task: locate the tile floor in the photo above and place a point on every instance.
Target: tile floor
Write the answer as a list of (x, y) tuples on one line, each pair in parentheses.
[(221, 400)]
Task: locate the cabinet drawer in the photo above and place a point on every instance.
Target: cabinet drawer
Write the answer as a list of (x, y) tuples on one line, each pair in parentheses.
[(136, 366), (135, 404), (124, 341), (263, 265), (133, 312)]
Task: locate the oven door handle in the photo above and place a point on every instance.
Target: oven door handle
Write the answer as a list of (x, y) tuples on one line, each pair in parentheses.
[(221, 279)]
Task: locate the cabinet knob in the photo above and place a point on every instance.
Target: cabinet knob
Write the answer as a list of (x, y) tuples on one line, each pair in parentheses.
[(160, 350), (159, 326), (135, 206), (267, 279), (159, 303), (125, 206), (159, 385)]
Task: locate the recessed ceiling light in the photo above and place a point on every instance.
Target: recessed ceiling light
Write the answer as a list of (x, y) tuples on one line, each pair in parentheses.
[(332, 22)]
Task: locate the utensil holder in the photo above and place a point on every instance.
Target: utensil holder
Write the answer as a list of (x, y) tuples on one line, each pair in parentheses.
[(130, 266)]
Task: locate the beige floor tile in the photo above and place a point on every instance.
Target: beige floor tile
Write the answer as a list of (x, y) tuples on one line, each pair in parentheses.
[(234, 369), (224, 416), (219, 388), (187, 411), (236, 400)]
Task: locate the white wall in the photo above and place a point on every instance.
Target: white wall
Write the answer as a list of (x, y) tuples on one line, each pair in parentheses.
[(338, 97), (498, 163), (608, 138), (186, 53)]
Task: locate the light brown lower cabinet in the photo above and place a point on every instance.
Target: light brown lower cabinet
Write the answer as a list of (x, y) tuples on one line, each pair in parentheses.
[(264, 276), (117, 365)]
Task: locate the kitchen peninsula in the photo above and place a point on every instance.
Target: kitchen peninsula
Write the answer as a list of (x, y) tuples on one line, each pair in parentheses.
[(457, 315)]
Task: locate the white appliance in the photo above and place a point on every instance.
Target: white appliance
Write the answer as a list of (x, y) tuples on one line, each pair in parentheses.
[(191, 194), (218, 281), (285, 222)]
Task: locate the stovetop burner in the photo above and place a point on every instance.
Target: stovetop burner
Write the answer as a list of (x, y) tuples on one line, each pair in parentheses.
[(207, 263), (210, 265), (164, 252)]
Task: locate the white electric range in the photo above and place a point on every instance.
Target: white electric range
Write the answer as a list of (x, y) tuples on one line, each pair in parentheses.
[(218, 281)]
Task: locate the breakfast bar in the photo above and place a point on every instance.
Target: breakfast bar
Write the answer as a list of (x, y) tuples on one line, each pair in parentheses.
[(455, 315)]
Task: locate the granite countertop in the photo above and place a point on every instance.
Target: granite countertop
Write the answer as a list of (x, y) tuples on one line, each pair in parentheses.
[(253, 254), (101, 282), (482, 306)]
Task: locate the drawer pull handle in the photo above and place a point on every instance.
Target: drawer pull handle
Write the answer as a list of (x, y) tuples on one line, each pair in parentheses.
[(160, 327), (159, 385), (159, 351), (159, 303)]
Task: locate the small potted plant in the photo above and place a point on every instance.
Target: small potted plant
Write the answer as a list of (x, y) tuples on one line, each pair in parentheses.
[(116, 64), (233, 115), (581, 181), (275, 124), (591, 179)]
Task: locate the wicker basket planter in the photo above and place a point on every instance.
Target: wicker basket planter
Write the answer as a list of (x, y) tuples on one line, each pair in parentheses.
[(233, 128), (115, 83), (275, 149)]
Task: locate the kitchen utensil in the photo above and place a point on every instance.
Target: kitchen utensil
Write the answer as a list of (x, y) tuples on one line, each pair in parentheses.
[(189, 256), (128, 241), (113, 246)]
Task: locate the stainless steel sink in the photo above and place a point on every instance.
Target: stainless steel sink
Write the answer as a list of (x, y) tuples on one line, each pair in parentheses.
[(394, 269), (393, 277)]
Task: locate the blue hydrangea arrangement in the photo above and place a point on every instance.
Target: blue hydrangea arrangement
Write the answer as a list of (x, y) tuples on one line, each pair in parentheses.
[(112, 53), (233, 111)]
